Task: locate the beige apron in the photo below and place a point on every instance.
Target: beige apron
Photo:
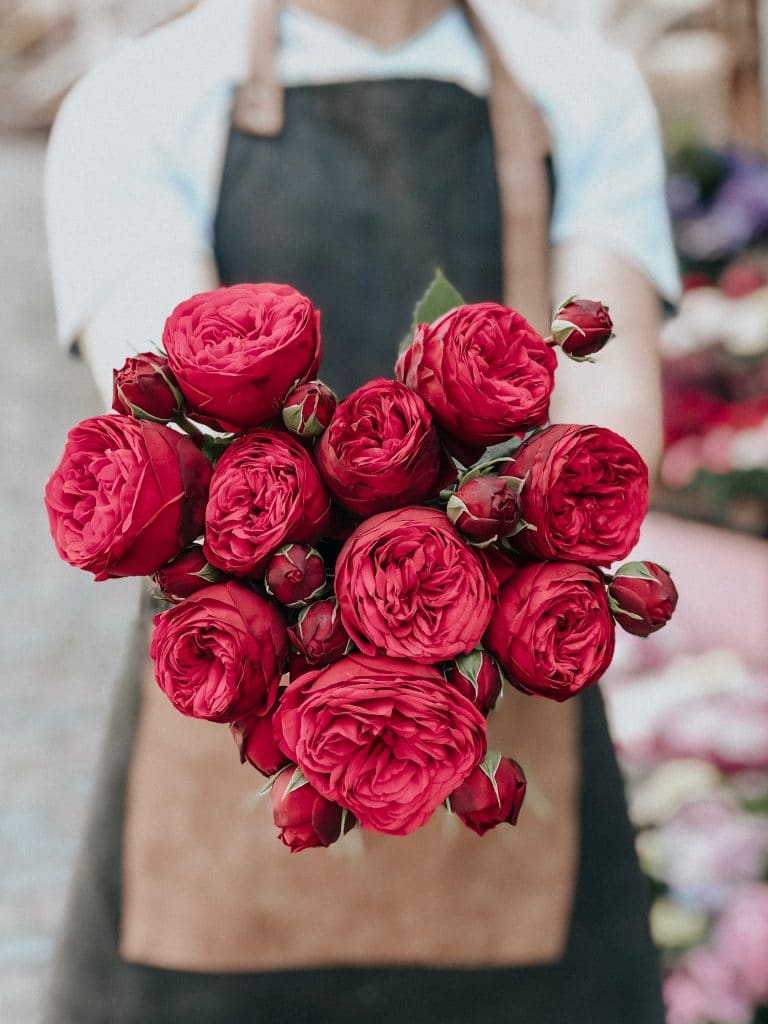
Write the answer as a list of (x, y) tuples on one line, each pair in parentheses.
[(206, 884)]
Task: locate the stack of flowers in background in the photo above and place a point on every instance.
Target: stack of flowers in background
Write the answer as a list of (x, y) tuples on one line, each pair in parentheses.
[(715, 349), (692, 735)]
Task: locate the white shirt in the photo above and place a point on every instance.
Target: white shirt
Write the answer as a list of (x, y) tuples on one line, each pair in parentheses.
[(136, 152)]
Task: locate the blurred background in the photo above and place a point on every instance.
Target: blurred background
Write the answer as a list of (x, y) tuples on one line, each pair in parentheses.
[(689, 708)]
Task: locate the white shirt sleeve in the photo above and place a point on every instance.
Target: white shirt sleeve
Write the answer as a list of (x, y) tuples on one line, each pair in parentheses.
[(613, 186), (115, 198)]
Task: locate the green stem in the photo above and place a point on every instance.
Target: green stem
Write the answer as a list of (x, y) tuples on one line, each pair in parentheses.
[(188, 427)]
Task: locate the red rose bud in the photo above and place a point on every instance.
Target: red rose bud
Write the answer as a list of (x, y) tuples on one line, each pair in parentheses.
[(491, 794), (144, 387), (295, 575), (642, 597), (186, 574), (257, 745), (582, 327), (486, 508), (478, 677), (309, 408), (305, 818), (319, 635)]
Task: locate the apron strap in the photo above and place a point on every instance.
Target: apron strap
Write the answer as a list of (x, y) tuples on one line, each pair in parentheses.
[(521, 144), (259, 102)]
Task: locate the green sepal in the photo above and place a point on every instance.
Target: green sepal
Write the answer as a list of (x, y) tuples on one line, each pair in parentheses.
[(637, 571), (616, 609), (489, 766), (343, 823), (270, 782), (210, 573), (470, 665), (563, 329), (214, 447), (298, 779), (139, 414), (567, 302)]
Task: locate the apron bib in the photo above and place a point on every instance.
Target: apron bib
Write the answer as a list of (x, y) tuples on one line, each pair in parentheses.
[(354, 193)]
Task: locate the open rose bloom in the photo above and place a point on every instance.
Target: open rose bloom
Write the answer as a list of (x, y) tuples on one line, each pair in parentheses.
[(351, 585)]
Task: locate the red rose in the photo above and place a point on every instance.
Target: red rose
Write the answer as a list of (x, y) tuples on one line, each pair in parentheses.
[(295, 575), (381, 450), (582, 327), (383, 737), (552, 631), (319, 635), (642, 597), (305, 818), (265, 492), (492, 794), (586, 494), (477, 675), (220, 653), (309, 408), (186, 574), (236, 352), (126, 497), (484, 372), (255, 739), (144, 387), (486, 508), (409, 587)]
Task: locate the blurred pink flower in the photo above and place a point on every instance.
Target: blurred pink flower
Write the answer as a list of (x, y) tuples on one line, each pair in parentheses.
[(704, 989), (741, 939), (728, 730), (707, 848)]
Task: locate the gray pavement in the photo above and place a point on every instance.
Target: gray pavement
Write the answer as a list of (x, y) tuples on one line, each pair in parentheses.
[(62, 633)]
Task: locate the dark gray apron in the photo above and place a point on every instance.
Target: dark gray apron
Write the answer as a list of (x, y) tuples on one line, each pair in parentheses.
[(368, 188)]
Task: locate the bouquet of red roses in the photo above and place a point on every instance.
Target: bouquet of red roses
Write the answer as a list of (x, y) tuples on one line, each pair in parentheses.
[(350, 584)]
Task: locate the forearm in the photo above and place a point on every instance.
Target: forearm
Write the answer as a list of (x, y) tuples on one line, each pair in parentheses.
[(622, 388), (131, 318)]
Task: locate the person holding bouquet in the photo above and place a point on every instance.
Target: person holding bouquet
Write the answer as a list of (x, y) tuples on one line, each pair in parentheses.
[(349, 149)]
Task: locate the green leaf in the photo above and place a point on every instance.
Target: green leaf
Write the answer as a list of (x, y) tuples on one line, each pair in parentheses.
[(439, 298)]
